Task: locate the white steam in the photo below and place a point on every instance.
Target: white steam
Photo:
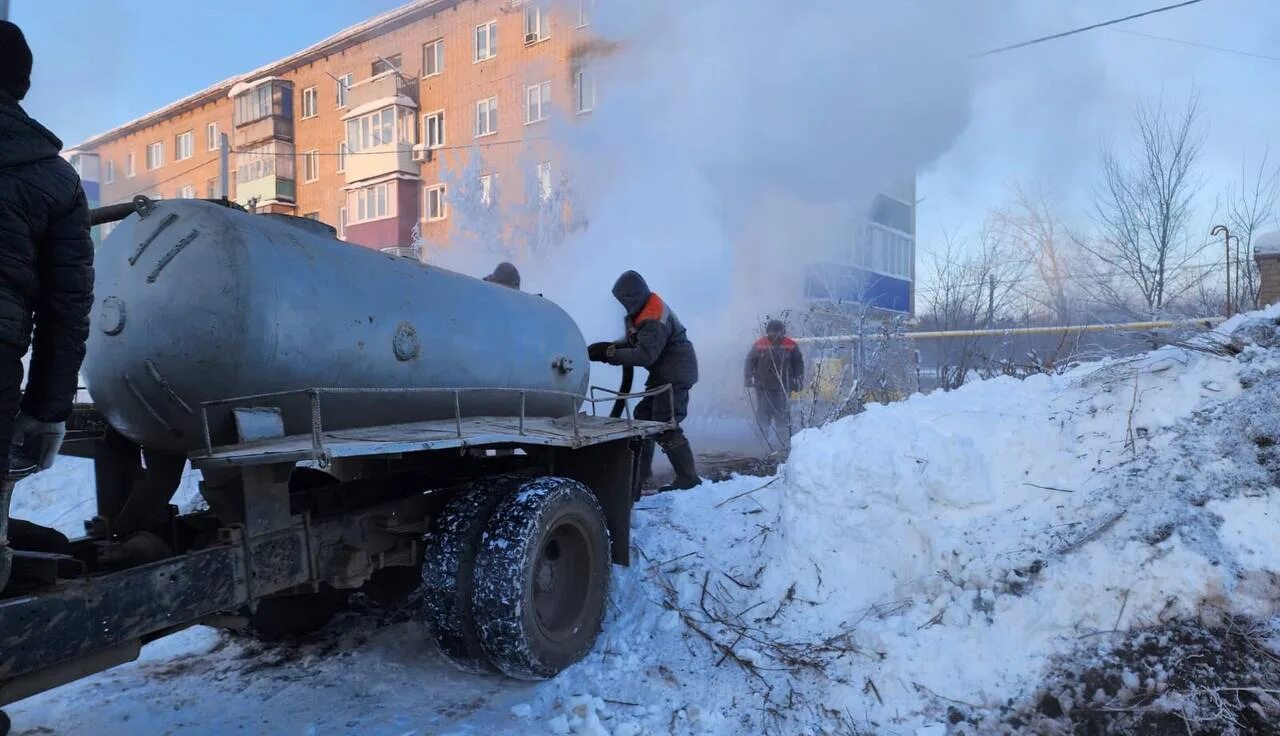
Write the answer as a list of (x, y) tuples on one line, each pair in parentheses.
[(734, 143)]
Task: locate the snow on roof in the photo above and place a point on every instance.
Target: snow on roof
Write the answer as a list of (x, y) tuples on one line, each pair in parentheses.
[(240, 88), (344, 37), (1267, 244)]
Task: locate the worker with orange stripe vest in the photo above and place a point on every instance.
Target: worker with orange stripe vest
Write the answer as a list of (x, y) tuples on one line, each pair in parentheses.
[(656, 341), (774, 368)]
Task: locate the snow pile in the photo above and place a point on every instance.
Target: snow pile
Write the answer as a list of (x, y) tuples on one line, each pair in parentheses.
[(938, 553)]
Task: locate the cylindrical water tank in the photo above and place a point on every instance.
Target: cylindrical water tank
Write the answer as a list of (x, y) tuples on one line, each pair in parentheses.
[(197, 302)]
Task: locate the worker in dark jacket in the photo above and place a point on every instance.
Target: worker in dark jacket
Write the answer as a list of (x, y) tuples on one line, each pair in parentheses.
[(774, 368), (46, 281), (656, 341), (505, 274)]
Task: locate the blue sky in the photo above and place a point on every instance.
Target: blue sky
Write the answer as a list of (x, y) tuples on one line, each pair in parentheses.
[(1039, 115)]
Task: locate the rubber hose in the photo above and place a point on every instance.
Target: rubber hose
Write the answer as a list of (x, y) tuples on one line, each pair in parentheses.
[(620, 405)]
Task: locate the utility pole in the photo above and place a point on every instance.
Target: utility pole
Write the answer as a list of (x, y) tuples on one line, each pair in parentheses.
[(1226, 242), (224, 164), (4, 9)]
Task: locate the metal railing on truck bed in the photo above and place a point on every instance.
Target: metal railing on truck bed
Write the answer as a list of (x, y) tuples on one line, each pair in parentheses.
[(269, 445)]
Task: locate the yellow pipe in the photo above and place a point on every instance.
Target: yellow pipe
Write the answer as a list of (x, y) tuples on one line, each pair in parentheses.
[(1202, 323)]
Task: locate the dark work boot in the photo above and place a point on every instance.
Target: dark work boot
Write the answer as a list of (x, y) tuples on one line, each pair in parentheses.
[(6, 554), (680, 453)]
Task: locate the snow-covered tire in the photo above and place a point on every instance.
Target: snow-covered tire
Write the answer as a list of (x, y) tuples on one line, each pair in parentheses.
[(542, 579), (447, 570)]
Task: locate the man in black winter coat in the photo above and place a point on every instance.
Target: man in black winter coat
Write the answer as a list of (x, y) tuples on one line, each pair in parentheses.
[(774, 368), (46, 281), (656, 341)]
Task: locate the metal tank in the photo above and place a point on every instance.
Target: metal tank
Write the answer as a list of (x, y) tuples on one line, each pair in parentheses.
[(198, 302)]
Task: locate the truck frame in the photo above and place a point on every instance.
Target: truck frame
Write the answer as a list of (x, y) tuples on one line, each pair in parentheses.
[(296, 522)]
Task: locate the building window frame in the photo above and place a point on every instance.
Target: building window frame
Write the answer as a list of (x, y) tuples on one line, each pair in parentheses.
[(342, 223), (343, 150), (433, 58), (187, 191), (489, 31), (537, 23), (155, 155), (543, 173), (311, 165), (342, 87), (184, 146), (130, 165), (109, 171), (537, 102), (584, 91), (211, 140), (486, 188), (585, 7), (392, 63), (486, 117), (372, 203), (371, 130), (434, 136), (309, 106), (435, 204)]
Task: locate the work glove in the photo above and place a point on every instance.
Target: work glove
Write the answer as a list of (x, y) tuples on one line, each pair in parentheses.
[(600, 352), (35, 443)]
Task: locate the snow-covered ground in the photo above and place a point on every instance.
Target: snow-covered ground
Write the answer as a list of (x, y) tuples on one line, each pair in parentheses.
[(921, 568)]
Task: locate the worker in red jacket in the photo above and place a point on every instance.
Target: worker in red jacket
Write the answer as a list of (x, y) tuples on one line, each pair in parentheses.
[(774, 368)]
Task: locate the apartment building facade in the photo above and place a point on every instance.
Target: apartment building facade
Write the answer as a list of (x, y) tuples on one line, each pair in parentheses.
[(369, 129)]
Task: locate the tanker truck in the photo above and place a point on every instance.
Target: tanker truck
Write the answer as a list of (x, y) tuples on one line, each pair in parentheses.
[(360, 422)]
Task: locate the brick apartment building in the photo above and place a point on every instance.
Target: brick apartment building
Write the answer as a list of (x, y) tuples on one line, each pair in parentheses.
[(360, 129)]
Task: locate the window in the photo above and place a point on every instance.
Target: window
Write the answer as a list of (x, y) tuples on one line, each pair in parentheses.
[(537, 23), (111, 172), (584, 12), (311, 165), (372, 130), (544, 180), (274, 158), (188, 191), (182, 146), (487, 40), (155, 156), (584, 91), (433, 58), (371, 203), (130, 169), (342, 222), (436, 209), (253, 105), (487, 117), (309, 102), (313, 216), (384, 64), (342, 157), (537, 102), (211, 140), (433, 129), (486, 189), (211, 188), (343, 86)]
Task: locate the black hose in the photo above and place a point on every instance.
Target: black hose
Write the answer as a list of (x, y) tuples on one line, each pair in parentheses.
[(620, 405)]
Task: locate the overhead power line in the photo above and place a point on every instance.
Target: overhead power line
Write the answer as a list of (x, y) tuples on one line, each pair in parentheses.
[(1074, 31), (1223, 49)]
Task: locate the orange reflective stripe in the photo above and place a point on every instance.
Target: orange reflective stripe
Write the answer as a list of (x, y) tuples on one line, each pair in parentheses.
[(654, 309)]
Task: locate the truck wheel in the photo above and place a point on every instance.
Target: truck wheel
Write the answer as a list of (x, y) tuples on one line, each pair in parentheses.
[(287, 616), (447, 570), (5, 725), (542, 579)]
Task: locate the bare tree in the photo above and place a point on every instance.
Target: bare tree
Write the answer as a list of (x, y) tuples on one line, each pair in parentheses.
[(1250, 209), (1144, 209), (1029, 225)]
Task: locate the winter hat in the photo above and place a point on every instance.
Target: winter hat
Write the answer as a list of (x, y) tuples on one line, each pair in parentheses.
[(506, 275), (15, 61)]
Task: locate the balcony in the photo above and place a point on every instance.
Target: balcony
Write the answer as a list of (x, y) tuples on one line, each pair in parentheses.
[(267, 189), (272, 127), (387, 87), (381, 131)]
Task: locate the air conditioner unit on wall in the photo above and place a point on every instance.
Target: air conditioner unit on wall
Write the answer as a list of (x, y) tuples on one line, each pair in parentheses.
[(423, 154)]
